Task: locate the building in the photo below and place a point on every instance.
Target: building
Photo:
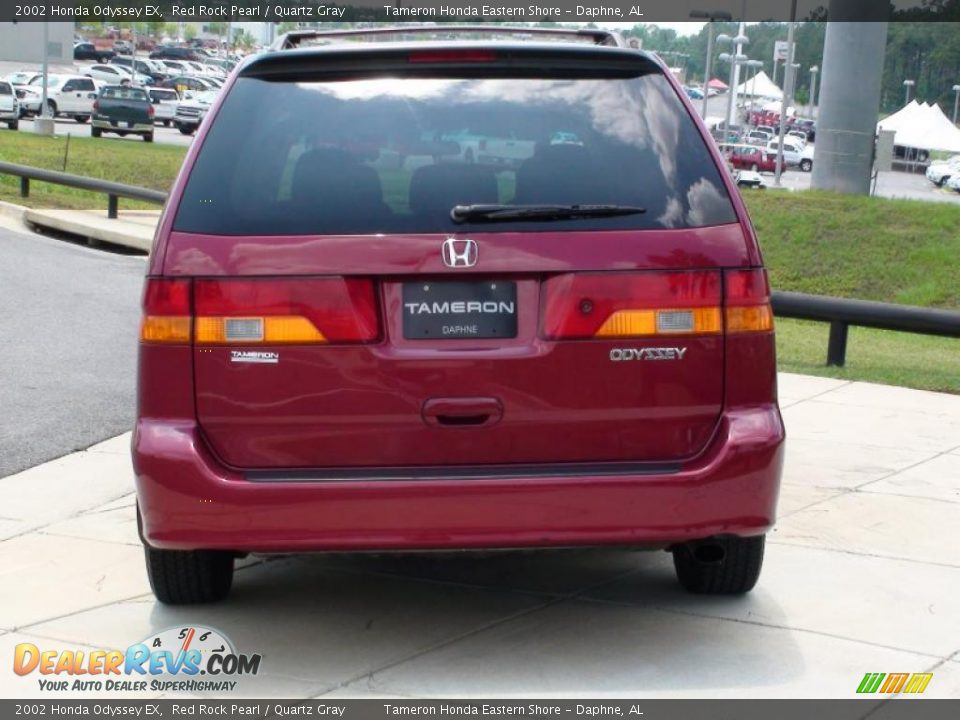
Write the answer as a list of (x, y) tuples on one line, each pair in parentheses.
[(23, 42)]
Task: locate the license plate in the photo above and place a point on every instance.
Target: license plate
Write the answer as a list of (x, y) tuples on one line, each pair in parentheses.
[(459, 310)]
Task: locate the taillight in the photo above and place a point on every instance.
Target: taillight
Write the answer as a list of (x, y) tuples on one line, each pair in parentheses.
[(451, 56), (617, 305), (150, 111), (166, 311), (273, 311), (747, 301), (96, 105)]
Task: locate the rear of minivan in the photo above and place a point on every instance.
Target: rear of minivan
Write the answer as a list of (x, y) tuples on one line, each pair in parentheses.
[(358, 336)]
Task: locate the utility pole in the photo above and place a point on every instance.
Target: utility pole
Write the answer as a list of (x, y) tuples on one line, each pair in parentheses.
[(787, 91)]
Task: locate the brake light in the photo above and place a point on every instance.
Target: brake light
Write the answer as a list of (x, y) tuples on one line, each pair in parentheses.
[(166, 311), (96, 105), (268, 311), (150, 111), (451, 56), (747, 300), (616, 305)]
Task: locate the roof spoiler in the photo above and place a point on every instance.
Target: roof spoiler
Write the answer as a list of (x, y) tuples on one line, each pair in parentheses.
[(597, 36)]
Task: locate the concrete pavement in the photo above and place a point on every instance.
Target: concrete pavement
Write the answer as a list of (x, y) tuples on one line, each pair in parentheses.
[(861, 575)]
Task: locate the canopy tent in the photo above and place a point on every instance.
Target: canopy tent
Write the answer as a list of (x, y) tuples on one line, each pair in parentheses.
[(922, 126), (760, 86), (717, 84)]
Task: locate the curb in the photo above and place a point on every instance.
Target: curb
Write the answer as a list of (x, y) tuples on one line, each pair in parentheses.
[(11, 210), (91, 230)]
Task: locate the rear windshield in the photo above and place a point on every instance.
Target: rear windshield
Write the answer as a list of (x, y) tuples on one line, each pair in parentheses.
[(392, 155), (124, 93), (164, 95)]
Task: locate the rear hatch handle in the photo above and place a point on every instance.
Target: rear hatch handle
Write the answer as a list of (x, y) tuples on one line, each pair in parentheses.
[(462, 411)]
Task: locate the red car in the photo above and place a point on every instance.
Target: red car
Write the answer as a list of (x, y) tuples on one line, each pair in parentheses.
[(373, 351), (751, 157)]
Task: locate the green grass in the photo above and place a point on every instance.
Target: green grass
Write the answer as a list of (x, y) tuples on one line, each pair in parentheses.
[(900, 251), (880, 356), (129, 161)]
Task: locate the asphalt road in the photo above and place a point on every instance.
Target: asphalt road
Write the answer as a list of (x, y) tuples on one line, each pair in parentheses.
[(69, 319), (164, 135)]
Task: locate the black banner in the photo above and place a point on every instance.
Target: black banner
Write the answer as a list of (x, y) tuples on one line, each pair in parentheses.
[(492, 709), (562, 11)]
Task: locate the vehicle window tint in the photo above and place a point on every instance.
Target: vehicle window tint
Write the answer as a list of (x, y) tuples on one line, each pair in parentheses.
[(388, 155), (5, 89), (122, 93), (86, 85), (70, 86)]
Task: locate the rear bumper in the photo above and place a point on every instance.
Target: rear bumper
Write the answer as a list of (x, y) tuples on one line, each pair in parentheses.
[(110, 126), (188, 500)]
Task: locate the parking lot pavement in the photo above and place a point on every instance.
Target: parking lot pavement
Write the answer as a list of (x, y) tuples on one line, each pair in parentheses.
[(66, 126), (861, 575)]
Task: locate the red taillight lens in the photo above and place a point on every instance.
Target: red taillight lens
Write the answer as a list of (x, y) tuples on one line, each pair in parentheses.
[(96, 105), (150, 111), (747, 300), (166, 311), (611, 305), (326, 310), (451, 56)]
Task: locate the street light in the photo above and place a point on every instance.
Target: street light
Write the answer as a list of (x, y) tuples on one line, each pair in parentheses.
[(907, 84), (956, 102), (813, 89), (710, 17), (734, 60), (755, 65)]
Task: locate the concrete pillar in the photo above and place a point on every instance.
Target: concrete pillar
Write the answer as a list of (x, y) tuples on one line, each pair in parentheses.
[(849, 96)]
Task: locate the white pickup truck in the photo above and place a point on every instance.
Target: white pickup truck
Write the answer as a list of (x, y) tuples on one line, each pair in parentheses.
[(9, 106), (69, 95)]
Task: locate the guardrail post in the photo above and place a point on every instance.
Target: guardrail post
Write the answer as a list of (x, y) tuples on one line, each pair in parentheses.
[(837, 344), (24, 186), (112, 207)]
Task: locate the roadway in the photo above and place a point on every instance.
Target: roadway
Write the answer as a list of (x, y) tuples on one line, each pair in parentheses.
[(65, 126), (70, 320)]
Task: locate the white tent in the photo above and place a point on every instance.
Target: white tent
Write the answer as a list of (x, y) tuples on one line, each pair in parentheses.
[(922, 126), (760, 86)]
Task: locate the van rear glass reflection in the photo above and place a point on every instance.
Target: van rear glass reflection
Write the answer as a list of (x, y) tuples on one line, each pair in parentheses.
[(392, 155)]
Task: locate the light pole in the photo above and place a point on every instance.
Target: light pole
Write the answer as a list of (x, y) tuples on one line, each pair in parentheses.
[(710, 17), (788, 75), (45, 122), (956, 102), (734, 60), (907, 84), (813, 89), (755, 65)]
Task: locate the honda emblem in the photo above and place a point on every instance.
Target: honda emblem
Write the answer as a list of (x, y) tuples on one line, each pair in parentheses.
[(459, 253)]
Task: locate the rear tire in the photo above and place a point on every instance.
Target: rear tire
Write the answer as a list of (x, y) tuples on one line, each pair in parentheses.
[(95, 132), (148, 137), (189, 577), (14, 124), (81, 118), (185, 129), (700, 569), (806, 165)]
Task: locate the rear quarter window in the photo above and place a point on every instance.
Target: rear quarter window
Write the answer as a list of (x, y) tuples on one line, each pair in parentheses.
[(395, 155)]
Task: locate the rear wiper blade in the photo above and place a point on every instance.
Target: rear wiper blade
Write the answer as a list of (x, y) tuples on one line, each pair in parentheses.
[(500, 213)]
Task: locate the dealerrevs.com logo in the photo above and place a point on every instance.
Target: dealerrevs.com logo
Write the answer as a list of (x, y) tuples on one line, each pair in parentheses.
[(182, 659)]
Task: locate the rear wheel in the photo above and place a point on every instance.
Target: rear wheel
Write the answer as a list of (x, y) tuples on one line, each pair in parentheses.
[(148, 137), (13, 124), (806, 165), (81, 118), (186, 577), (51, 108), (95, 132), (185, 129), (166, 123), (719, 566)]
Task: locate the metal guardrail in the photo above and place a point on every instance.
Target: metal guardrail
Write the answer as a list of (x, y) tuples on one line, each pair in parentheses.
[(112, 190), (841, 313)]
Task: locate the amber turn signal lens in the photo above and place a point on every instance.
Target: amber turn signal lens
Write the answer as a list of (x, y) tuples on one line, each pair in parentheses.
[(161, 329), (749, 318)]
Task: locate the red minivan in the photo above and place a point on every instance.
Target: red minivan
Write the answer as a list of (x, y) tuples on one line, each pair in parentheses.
[(358, 336)]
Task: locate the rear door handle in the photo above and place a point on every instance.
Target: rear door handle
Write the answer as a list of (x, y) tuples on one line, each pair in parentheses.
[(462, 412)]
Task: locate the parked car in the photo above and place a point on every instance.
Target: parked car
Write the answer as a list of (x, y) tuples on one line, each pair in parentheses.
[(174, 67), (123, 110), (148, 68), (89, 51), (192, 109), (693, 93), (954, 182), (170, 52), (165, 102), (798, 137), (577, 349), (182, 83), (114, 74), (758, 137), (751, 157), (807, 126), (939, 172), (9, 106), (792, 151), (69, 95)]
